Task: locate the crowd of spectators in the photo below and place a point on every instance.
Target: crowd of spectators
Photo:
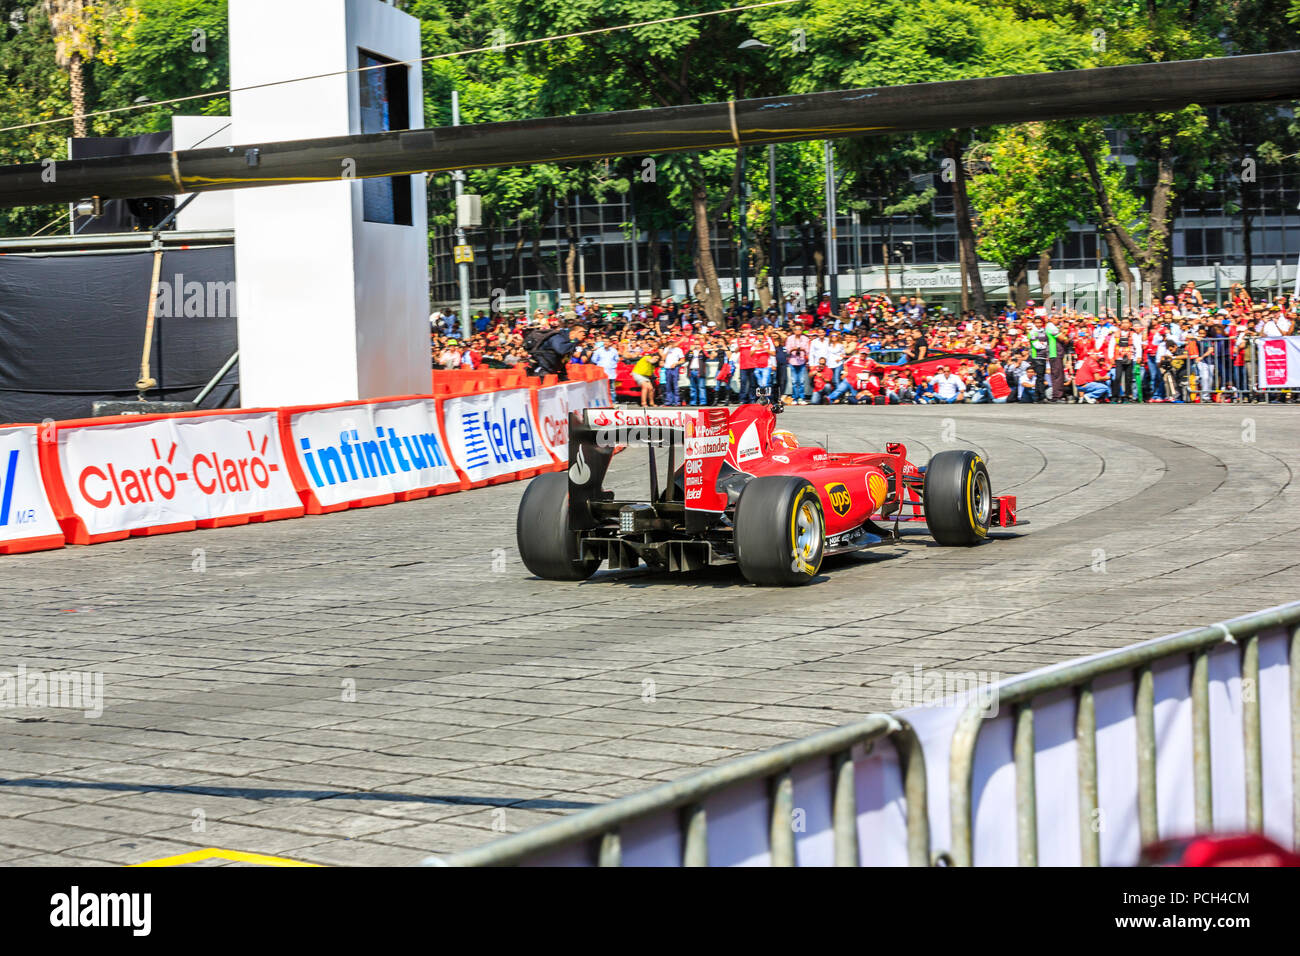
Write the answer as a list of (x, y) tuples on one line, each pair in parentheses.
[(880, 350)]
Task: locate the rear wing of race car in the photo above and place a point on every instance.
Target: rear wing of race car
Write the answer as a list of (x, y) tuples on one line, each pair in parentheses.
[(697, 437)]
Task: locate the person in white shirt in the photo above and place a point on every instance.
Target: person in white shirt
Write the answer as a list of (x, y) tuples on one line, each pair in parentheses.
[(606, 356), (1275, 325), (835, 355), (948, 388), (674, 356)]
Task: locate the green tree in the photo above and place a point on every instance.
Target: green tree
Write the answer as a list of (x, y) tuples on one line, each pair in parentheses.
[(1027, 193), (834, 44)]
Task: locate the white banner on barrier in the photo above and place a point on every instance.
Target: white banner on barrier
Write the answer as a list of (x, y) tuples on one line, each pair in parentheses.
[(554, 404), (553, 416), (739, 821), (24, 510), (1279, 362), (494, 433), (130, 475), (362, 451)]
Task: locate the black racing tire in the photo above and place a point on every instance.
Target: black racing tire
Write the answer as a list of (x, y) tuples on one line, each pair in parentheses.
[(780, 531), (958, 498), (549, 549)]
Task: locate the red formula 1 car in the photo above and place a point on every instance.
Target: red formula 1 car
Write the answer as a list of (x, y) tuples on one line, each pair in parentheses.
[(740, 490)]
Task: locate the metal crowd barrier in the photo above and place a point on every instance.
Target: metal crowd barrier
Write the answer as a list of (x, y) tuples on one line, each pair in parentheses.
[(598, 829), (1213, 376), (1021, 692)]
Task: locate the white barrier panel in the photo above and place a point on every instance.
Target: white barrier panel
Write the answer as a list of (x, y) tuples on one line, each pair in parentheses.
[(25, 512), (553, 416), (494, 434), (1116, 822), (1279, 362), (598, 394), (738, 818), (554, 404), (132, 475), (739, 821), (356, 452)]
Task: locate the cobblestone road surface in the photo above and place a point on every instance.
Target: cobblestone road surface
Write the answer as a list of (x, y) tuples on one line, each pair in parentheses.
[(375, 686)]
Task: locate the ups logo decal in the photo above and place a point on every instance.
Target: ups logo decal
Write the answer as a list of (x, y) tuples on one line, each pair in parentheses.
[(841, 500)]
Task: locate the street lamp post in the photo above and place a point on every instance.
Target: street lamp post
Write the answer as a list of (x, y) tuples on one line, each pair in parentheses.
[(744, 230), (636, 237), (774, 256), (462, 268), (753, 44), (832, 250)]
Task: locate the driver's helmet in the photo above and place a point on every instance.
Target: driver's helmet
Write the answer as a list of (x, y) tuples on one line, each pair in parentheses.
[(784, 439)]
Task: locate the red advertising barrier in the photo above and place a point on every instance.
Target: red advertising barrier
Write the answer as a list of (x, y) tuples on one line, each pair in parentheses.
[(111, 478), (27, 521), (105, 479), (494, 437), (364, 453)]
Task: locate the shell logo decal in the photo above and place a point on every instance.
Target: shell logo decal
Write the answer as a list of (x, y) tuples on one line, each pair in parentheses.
[(877, 489)]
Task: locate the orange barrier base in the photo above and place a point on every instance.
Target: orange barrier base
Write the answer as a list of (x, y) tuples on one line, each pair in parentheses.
[(46, 542)]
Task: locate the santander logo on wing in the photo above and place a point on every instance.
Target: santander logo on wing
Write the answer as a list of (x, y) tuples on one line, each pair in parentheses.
[(580, 471)]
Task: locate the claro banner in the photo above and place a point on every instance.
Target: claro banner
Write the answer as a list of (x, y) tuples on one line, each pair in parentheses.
[(27, 521), (368, 453), (554, 404), (495, 435), (1279, 362), (114, 477)]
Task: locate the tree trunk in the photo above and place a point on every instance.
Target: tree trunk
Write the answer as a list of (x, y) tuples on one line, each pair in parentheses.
[(884, 254), (707, 273), (1119, 244), (1247, 245), (77, 83), (571, 257), (1045, 276), (819, 262), (965, 230), (1018, 281), (1152, 265), (1119, 265), (762, 280)]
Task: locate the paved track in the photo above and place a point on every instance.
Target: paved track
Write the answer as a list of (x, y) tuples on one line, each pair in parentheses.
[(487, 701)]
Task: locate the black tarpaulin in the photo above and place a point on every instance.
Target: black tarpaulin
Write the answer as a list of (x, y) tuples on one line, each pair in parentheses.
[(72, 330)]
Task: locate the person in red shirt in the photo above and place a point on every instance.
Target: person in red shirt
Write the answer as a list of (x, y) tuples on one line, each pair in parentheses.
[(824, 309), (1090, 380), (859, 372), (752, 356), (999, 389)]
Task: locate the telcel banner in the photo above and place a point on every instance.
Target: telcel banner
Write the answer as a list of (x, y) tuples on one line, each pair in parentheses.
[(1279, 362), (27, 521), (494, 434), (370, 453), (170, 474)]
